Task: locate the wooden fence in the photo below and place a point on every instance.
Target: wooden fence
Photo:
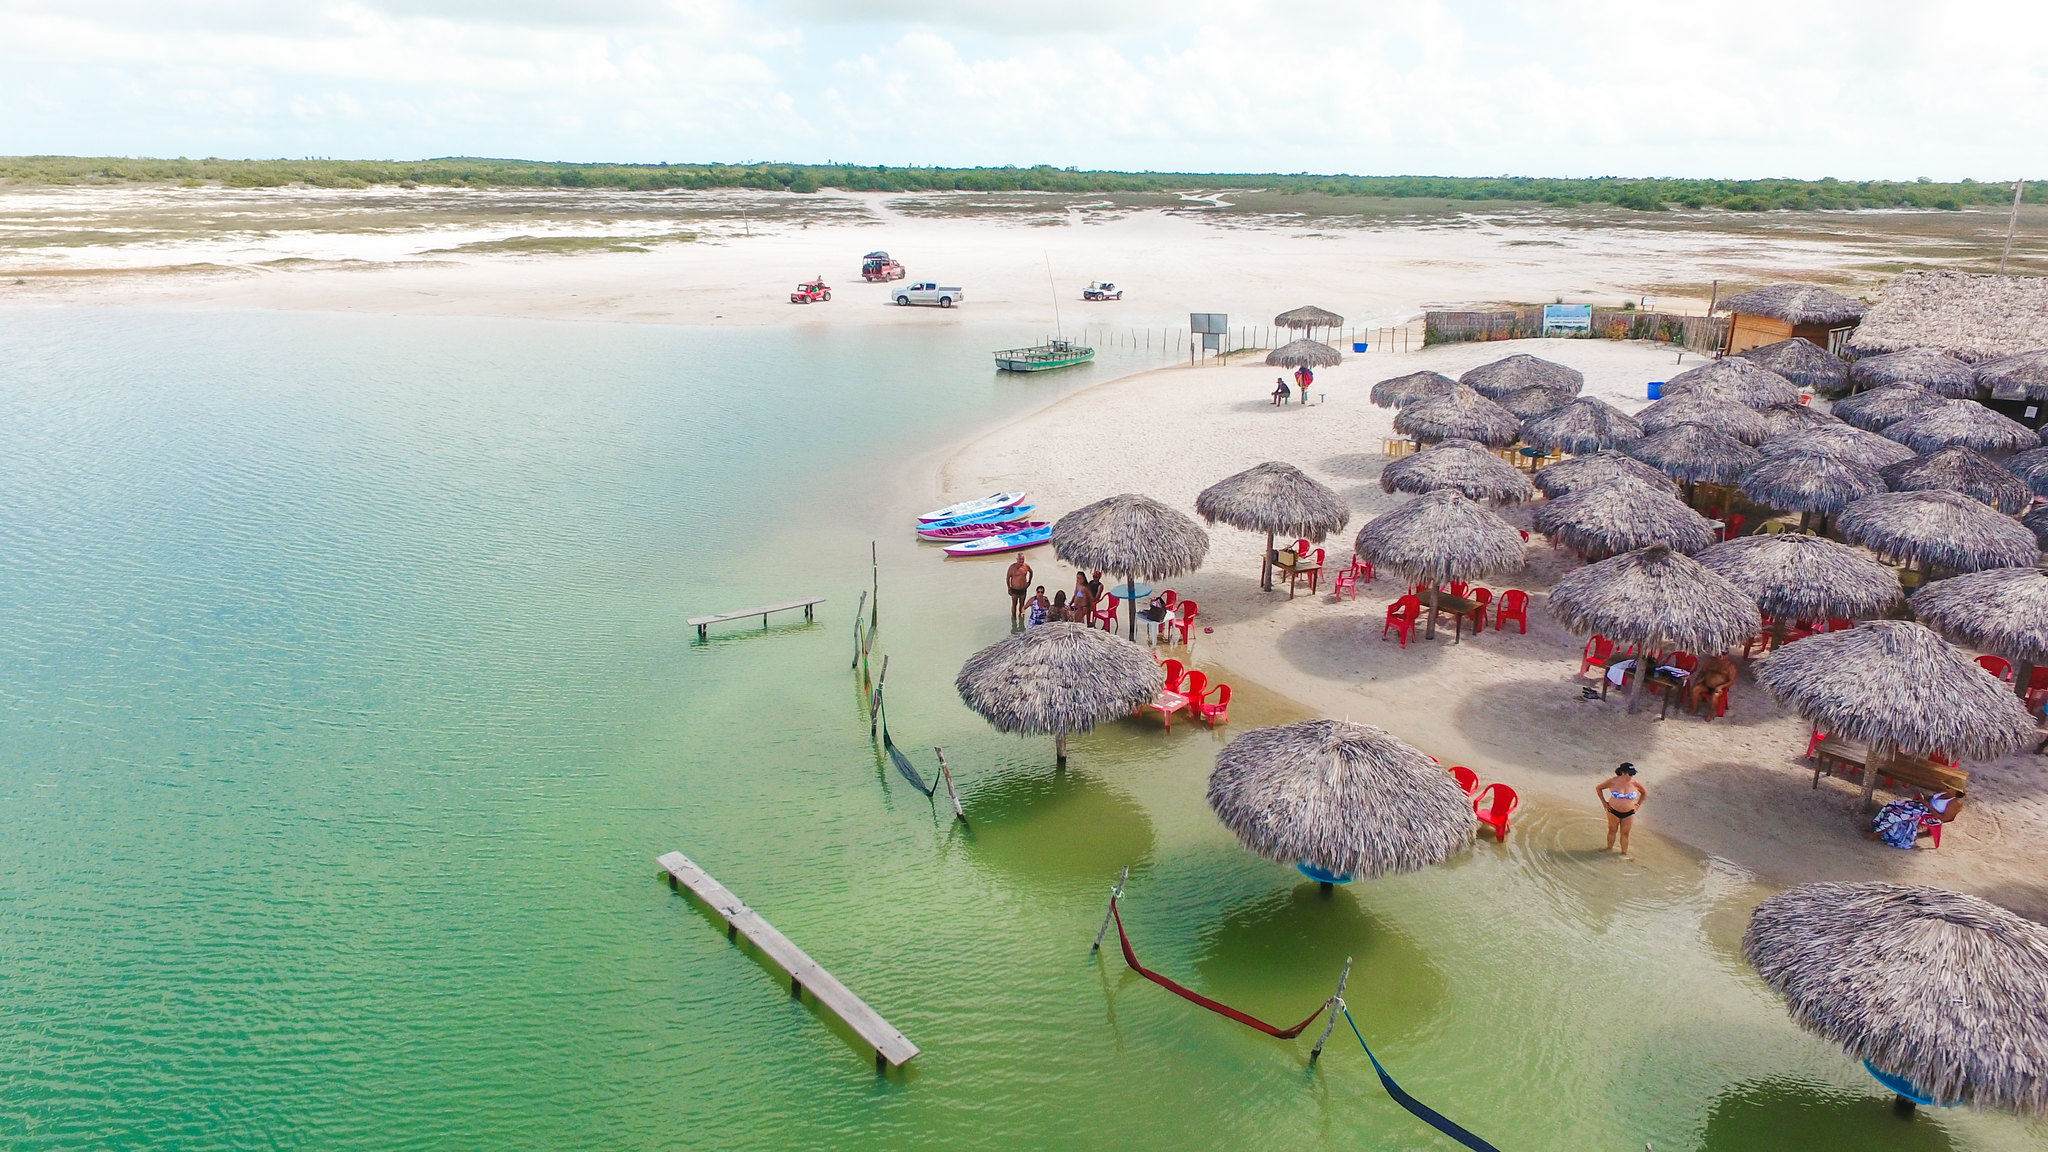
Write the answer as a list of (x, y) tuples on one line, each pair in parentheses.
[(1255, 338), (1703, 334)]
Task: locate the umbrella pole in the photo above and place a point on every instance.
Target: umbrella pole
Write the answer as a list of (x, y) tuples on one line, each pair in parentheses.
[(1266, 566), (1429, 633), (1059, 749), (1640, 672), (1131, 586), (1877, 752), (2023, 675)]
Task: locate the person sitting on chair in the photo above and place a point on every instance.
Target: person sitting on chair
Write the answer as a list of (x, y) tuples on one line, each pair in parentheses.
[(1279, 391), (1706, 685)]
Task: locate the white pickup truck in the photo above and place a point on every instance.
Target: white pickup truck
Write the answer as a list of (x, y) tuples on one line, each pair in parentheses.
[(929, 293)]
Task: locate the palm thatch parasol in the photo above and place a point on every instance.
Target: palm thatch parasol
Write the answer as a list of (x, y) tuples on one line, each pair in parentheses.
[(1058, 679), (1879, 408), (1959, 469), (1601, 520), (1604, 467), (1655, 597), (1967, 423), (1400, 390), (1808, 484), (1460, 414), (1534, 400), (2002, 610), (1840, 441), (2031, 467), (1308, 317), (1514, 373), (1466, 467), (1273, 498), (1938, 372), (1343, 798), (1584, 425), (1792, 576), (2020, 377), (1940, 989), (1131, 534), (1723, 416), (1804, 363), (1737, 381), (1794, 304), (1695, 453), (1798, 418), (1944, 528), (1296, 353), (1440, 537), (1899, 688)]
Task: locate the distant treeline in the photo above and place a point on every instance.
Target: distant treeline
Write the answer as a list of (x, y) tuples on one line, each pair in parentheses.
[(1642, 195)]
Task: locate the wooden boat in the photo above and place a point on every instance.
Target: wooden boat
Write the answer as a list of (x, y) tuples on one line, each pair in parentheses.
[(998, 516), (966, 532), (987, 503), (1007, 542), (1044, 357)]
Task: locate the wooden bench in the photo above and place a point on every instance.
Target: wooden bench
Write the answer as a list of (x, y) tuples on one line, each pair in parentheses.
[(1916, 771), (700, 623)]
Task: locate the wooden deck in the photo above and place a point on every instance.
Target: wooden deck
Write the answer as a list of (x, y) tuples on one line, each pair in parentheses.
[(804, 972), (700, 623)]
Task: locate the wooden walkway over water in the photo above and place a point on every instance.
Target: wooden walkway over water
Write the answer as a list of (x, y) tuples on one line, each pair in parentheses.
[(804, 972), (700, 623)]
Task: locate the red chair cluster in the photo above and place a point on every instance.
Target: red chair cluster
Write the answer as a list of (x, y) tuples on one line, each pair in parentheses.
[(1493, 805), (1513, 606), (1209, 701)]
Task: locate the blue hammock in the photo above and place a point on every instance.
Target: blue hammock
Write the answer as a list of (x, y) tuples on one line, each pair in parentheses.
[(1423, 1112)]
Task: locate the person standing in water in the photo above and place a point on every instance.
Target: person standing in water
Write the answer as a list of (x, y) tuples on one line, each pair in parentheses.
[(1019, 580), (1622, 796)]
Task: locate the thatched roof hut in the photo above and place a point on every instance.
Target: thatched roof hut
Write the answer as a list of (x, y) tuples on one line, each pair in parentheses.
[(1938, 372), (1307, 316), (1798, 418), (1058, 679), (1737, 381), (1587, 424), (1513, 373), (1695, 453), (1840, 441), (1804, 363), (1783, 311), (1793, 576), (1970, 316), (1601, 520), (1438, 538), (1401, 390), (1534, 401), (1944, 528), (2019, 377), (1959, 469), (1296, 353), (1655, 598), (1963, 422), (1808, 483), (1879, 408), (1466, 467), (1133, 535), (2031, 467), (1347, 799), (1274, 498), (1724, 416), (1940, 989), (1601, 468), (2002, 610), (1460, 414)]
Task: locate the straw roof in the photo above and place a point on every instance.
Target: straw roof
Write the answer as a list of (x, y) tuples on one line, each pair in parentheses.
[(1460, 414), (1840, 441), (1307, 316), (1794, 304), (1961, 470), (1798, 577), (1277, 498), (1534, 400), (1399, 390), (1341, 797), (1964, 422), (1601, 468), (1945, 528), (1804, 363), (1724, 416), (2002, 610), (1808, 482), (1584, 425), (1466, 467), (1439, 537), (1935, 371), (1735, 380), (2037, 523), (1514, 373), (1656, 596), (1057, 679), (1135, 535), (1936, 987), (2019, 377), (1695, 453), (1896, 683), (1604, 519), (1974, 317), (2031, 467), (1798, 418), (1879, 408), (1296, 353)]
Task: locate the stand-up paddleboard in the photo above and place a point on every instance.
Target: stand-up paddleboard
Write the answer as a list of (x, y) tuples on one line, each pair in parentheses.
[(994, 516), (1007, 542), (965, 532), (969, 507)]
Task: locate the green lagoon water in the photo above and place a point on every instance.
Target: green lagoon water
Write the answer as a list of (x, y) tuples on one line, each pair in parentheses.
[(347, 701)]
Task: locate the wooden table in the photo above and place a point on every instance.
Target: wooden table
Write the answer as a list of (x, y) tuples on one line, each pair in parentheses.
[(1296, 571), (1659, 678), (1167, 703), (1460, 606), (1854, 757)]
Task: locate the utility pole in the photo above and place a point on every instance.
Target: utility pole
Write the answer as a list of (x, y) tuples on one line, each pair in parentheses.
[(2012, 224)]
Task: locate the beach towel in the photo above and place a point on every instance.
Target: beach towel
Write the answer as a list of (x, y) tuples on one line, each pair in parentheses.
[(1898, 823)]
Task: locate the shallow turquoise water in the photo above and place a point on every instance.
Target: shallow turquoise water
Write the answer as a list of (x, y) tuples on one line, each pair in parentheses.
[(346, 702)]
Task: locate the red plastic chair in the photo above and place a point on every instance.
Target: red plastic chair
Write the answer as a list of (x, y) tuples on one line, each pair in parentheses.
[(1185, 617), (1495, 814), (1514, 605), (1813, 744), (1711, 511), (1349, 577), (1301, 547), (1732, 526), (1218, 711), (1195, 686), (1998, 666), (1105, 613), (1457, 587), (1315, 577), (1598, 650), (1401, 617), (1481, 597), (1169, 597), (1175, 673), (1837, 624), (1466, 778), (1932, 824)]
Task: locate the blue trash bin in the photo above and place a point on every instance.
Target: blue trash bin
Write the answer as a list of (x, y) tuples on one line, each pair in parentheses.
[(1358, 345), (1656, 389)]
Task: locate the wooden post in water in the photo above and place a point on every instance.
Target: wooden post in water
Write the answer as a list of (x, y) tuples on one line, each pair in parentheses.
[(1115, 894), (946, 774), (1336, 1003)]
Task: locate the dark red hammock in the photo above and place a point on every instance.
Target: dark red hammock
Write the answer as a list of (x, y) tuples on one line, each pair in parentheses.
[(1247, 1019)]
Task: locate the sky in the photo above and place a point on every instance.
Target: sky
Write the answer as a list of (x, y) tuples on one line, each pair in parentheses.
[(1739, 88)]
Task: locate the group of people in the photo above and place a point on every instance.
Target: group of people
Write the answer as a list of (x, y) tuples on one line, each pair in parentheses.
[(1303, 377), (1030, 608)]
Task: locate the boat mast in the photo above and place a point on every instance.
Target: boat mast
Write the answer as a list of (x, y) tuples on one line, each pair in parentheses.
[(1056, 333)]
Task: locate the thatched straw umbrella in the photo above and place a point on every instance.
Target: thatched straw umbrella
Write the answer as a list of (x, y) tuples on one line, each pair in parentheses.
[(2020, 377), (2031, 467), (1798, 418), (1401, 390), (1797, 577), (1584, 425), (1653, 597), (1131, 534), (1808, 484), (1460, 414), (1724, 416), (1440, 537), (1342, 798), (1936, 988), (1967, 423), (1295, 353), (1737, 381), (1804, 363), (1840, 441), (1959, 469), (1058, 679), (1695, 453), (1601, 520), (1308, 318), (1601, 468), (1273, 498), (2001, 610), (1514, 373), (1466, 467), (1944, 528), (1899, 688), (1534, 400), (1879, 408), (1938, 372)]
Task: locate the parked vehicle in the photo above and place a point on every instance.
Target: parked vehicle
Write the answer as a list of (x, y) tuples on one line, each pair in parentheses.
[(877, 266), (1102, 290), (930, 292), (811, 292)]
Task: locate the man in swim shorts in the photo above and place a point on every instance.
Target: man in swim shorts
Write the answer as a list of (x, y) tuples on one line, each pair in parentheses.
[(1622, 797), (1019, 580)]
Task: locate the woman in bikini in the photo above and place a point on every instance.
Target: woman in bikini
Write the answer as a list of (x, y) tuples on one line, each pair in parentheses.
[(1623, 797)]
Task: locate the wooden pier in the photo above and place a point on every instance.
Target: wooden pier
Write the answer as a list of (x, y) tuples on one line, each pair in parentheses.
[(700, 623), (889, 1044)]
